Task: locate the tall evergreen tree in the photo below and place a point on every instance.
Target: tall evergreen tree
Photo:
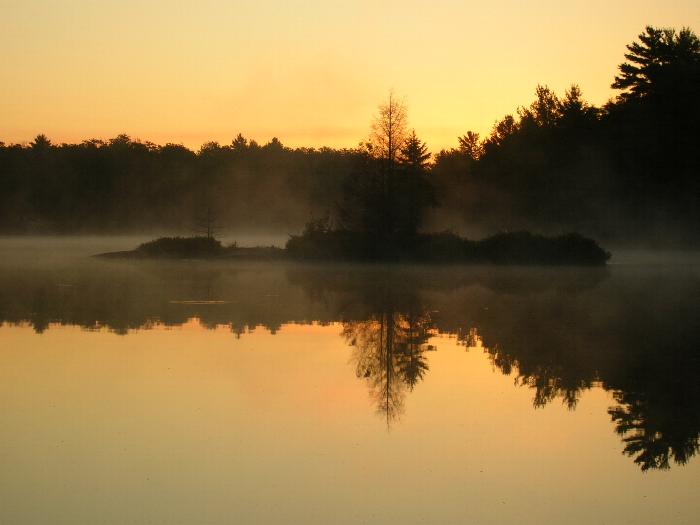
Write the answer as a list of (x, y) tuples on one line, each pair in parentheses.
[(663, 61)]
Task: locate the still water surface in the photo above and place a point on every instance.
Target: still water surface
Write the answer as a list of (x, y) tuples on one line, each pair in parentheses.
[(193, 392)]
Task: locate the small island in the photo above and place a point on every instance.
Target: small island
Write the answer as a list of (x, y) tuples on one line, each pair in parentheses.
[(318, 243), (195, 247)]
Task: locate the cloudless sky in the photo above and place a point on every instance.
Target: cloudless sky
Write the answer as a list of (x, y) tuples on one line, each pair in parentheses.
[(311, 73)]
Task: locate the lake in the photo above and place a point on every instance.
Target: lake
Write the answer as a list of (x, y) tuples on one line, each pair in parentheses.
[(216, 392)]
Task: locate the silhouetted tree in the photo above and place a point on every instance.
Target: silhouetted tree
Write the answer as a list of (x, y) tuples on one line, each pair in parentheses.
[(653, 132), (573, 107), (502, 129), (414, 154), (389, 131), (384, 200), (239, 144), (470, 145), (543, 112), (206, 220), (41, 143), (662, 62)]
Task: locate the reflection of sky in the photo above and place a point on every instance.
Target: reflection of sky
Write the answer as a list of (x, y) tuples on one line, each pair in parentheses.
[(192, 425)]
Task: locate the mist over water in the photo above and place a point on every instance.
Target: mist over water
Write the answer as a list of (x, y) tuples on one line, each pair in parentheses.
[(257, 378)]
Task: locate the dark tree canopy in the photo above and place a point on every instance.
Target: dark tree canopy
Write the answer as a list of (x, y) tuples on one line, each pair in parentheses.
[(662, 61), (470, 145)]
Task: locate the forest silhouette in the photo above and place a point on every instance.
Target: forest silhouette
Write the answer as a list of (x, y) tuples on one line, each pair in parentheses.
[(623, 172)]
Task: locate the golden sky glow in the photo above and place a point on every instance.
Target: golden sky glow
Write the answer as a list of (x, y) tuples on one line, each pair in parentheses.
[(311, 73)]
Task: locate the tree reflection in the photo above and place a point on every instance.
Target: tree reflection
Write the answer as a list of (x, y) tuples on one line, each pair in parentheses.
[(557, 332), (646, 357), (653, 434), (389, 352), (552, 375)]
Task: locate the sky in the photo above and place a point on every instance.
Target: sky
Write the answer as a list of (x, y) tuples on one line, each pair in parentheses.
[(310, 73)]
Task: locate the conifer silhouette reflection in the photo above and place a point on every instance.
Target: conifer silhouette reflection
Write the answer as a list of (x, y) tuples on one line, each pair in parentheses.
[(657, 414), (653, 432), (638, 342), (389, 352), (549, 380)]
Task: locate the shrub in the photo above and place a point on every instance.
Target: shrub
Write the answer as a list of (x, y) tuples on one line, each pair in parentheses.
[(181, 247)]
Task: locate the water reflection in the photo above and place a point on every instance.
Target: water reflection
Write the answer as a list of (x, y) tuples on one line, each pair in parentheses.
[(558, 332), (390, 354)]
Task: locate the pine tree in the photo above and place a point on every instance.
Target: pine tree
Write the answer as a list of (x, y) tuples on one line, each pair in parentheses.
[(414, 153)]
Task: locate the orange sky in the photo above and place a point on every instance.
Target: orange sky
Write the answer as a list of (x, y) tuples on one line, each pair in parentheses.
[(311, 73)]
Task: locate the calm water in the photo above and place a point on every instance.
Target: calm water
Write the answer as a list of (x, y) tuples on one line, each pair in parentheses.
[(196, 393)]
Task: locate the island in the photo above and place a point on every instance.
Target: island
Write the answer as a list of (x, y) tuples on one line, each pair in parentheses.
[(318, 243)]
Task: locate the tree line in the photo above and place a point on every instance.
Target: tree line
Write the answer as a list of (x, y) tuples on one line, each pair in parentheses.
[(625, 171), (125, 185)]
